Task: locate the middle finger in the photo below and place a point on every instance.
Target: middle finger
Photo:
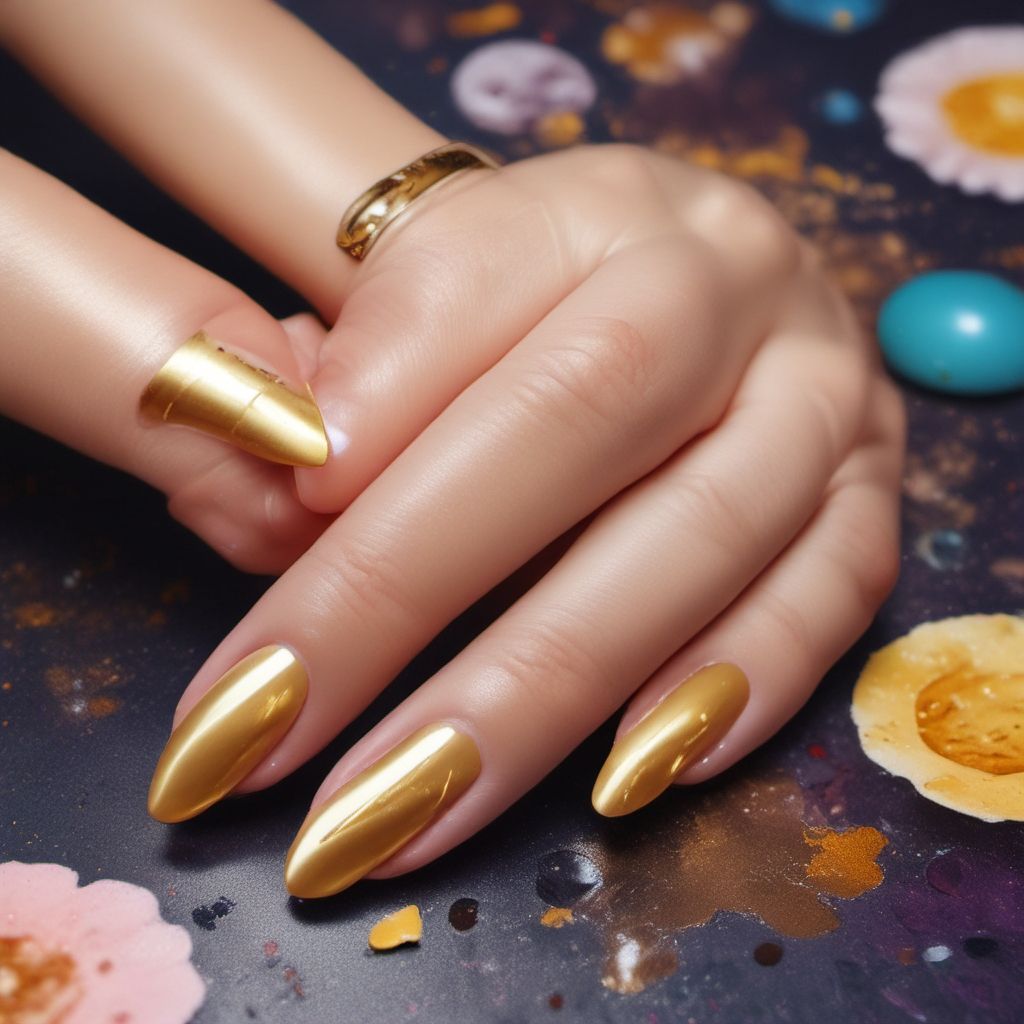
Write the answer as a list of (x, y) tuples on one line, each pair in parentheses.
[(600, 393)]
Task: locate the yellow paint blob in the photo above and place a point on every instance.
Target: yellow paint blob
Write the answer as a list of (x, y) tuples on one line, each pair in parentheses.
[(988, 113), (484, 21), (556, 917), (943, 707), (975, 720), (397, 929), (561, 128), (845, 864)]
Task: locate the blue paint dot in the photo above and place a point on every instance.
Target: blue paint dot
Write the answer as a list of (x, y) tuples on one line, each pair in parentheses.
[(840, 106), (943, 550), (838, 16), (956, 331)]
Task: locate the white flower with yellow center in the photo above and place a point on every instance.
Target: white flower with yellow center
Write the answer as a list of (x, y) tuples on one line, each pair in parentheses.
[(955, 105)]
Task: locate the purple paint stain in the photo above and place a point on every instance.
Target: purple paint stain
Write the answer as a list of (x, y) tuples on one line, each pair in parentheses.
[(972, 902)]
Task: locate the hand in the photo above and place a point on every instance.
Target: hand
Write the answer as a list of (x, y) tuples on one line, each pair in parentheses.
[(602, 335)]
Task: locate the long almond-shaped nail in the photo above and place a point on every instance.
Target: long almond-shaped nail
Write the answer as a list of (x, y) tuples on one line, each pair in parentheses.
[(375, 814), (203, 386), (674, 734), (236, 723)]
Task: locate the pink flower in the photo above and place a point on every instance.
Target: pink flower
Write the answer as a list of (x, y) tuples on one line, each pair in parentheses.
[(99, 954)]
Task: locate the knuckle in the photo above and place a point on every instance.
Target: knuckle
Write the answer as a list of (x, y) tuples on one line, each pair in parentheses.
[(623, 166), (787, 621), (870, 557), (551, 664), (765, 230), (604, 367), (363, 582), (705, 504)]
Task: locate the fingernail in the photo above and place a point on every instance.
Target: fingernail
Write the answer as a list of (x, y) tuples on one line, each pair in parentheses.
[(203, 386), (237, 722), (675, 734), (375, 814)]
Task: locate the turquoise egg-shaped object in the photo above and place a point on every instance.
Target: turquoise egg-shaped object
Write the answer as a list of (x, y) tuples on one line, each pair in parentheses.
[(957, 331), (836, 16)]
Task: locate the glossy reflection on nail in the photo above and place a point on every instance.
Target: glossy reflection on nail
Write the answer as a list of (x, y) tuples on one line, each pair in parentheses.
[(674, 734), (232, 728), (204, 387), (374, 815)]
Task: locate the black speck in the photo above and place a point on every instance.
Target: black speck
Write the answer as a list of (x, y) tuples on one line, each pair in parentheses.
[(206, 915), (768, 954), (979, 947), (565, 876), (462, 914)]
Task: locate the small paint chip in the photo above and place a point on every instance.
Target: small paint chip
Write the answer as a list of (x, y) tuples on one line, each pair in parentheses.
[(397, 929), (936, 954), (208, 914), (462, 915), (556, 917), (768, 954)]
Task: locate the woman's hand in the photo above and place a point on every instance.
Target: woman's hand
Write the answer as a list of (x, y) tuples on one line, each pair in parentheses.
[(603, 335), (603, 341)]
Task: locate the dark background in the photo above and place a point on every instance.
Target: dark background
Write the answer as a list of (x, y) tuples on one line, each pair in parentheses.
[(107, 609)]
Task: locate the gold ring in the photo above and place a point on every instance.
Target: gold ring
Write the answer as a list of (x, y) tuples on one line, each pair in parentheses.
[(362, 223)]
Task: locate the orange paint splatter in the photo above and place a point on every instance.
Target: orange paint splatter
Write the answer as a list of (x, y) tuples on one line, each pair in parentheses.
[(34, 615), (845, 864), (556, 917), (484, 21), (562, 128), (36, 984)]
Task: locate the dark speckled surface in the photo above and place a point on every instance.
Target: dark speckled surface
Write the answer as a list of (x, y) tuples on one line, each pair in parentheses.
[(107, 608)]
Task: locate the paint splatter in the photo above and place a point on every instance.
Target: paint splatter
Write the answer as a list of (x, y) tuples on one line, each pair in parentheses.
[(34, 615), (556, 917), (1011, 572), (743, 847), (565, 876), (462, 915), (845, 864), (207, 916), (484, 21), (401, 928), (768, 954), (83, 691), (637, 962), (667, 45), (943, 707), (942, 550)]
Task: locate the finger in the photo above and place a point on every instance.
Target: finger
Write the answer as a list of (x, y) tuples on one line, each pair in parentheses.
[(554, 666), (598, 395), (804, 612), (237, 109), (94, 319)]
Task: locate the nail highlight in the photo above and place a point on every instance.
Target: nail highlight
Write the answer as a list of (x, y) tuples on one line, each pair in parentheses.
[(672, 736), (375, 814), (237, 722), (203, 386)]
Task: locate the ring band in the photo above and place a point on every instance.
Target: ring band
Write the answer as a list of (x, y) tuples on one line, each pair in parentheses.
[(362, 223)]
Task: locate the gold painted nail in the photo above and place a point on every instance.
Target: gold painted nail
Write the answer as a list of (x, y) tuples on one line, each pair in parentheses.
[(237, 722), (203, 386), (375, 814), (672, 736)]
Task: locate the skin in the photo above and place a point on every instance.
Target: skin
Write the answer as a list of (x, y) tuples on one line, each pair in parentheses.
[(601, 335)]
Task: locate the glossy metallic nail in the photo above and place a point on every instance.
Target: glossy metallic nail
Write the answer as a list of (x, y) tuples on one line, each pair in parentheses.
[(672, 736), (237, 722), (375, 814), (203, 386)]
